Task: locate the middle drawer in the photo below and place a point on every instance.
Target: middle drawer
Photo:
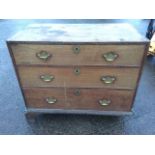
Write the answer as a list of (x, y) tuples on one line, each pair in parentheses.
[(82, 77)]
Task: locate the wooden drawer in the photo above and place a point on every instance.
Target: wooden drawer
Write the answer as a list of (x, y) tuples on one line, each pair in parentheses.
[(99, 99), (39, 98), (88, 99), (85, 55), (89, 77)]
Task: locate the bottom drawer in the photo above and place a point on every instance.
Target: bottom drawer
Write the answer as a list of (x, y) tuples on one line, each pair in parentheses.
[(82, 99), (99, 99), (42, 98)]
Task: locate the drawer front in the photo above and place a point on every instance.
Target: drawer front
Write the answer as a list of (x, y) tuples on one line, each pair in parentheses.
[(45, 98), (99, 99), (85, 77), (83, 55), (87, 99)]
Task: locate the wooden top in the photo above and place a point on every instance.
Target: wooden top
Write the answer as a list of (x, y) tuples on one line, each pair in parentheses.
[(74, 33)]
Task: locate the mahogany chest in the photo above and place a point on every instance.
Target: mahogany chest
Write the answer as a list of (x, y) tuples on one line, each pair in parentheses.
[(78, 68)]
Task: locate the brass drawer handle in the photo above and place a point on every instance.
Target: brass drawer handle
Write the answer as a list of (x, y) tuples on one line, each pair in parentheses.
[(104, 102), (110, 56), (51, 100), (43, 55), (47, 78), (108, 79), (76, 49)]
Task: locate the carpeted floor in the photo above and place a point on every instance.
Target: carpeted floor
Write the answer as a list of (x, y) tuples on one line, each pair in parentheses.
[(12, 118)]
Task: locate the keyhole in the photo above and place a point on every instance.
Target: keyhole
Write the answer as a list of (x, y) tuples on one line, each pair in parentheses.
[(77, 92), (77, 71), (76, 50)]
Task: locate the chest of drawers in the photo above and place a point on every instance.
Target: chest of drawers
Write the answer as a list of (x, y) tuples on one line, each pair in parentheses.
[(78, 68)]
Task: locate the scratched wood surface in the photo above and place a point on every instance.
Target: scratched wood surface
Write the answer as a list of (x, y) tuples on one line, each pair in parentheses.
[(79, 33), (58, 39), (36, 97), (89, 77), (89, 55), (88, 99)]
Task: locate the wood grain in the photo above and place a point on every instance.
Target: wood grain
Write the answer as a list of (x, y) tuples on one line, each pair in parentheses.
[(90, 55), (89, 77), (120, 100), (76, 111), (37, 97), (120, 32), (94, 40), (89, 99)]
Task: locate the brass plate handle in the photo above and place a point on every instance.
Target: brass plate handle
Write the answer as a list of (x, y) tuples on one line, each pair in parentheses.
[(110, 56), (104, 102), (51, 100), (76, 49), (47, 78), (43, 55), (77, 71), (108, 79)]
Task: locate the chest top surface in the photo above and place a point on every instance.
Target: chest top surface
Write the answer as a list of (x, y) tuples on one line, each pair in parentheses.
[(79, 33)]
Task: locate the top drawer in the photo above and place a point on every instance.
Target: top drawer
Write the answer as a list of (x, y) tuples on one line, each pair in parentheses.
[(74, 55)]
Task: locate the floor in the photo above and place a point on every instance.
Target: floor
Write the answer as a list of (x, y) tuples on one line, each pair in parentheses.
[(12, 118)]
